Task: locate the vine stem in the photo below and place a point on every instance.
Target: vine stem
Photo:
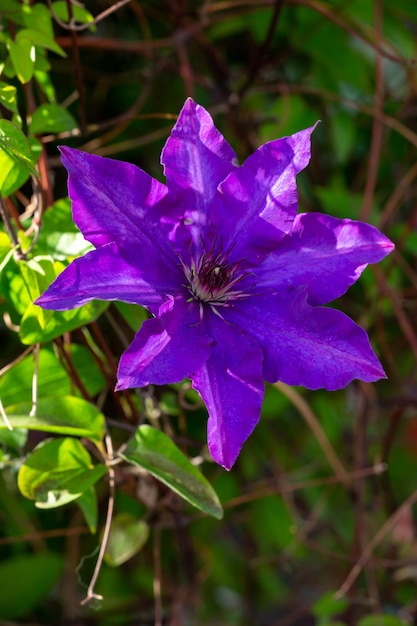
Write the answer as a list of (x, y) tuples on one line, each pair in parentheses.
[(110, 508), (310, 418), (10, 230), (378, 125), (4, 416), (367, 552)]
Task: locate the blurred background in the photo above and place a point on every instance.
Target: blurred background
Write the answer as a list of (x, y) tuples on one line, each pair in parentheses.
[(321, 498)]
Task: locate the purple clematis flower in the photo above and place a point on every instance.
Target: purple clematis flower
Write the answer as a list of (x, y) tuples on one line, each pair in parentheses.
[(234, 279)]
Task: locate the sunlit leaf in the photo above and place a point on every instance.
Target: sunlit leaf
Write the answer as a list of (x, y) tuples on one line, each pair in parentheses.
[(66, 415), (37, 17), (8, 97), (80, 13), (6, 258), (13, 174), (43, 79), (53, 378), (59, 235), (51, 118), (38, 38), (22, 54), (57, 472), (59, 323), (39, 325), (37, 274), (14, 145)]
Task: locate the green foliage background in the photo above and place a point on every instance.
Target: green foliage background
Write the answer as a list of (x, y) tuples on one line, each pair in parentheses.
[(318, 524)]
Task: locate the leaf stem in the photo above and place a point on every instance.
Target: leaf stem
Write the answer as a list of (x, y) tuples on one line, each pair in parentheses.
[(8, 225), (110, 508), (35, 380)]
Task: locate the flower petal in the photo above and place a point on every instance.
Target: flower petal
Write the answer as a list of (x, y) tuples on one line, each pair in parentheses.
[(196, 158), (258, 201), (165, 350), (231, 385), (325, 254), (104, 274), (114, 201), (315, 347)]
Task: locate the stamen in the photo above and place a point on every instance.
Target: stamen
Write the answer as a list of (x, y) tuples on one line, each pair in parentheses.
[(212, 279)]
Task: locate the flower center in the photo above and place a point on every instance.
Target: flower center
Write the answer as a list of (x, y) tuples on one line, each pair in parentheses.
[(211, 279), (214, 277)]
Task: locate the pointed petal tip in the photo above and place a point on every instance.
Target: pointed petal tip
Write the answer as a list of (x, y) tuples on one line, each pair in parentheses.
[(189, 102), (221, 458), (129, 382), (52, 303), (70, 156), (121, 386), (46, 302), (66, 151), (374, 373), (377, 373), (190, 107), (224, 448), (224, 466), (388, 245)]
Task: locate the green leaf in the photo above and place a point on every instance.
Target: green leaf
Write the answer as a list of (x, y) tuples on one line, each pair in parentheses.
[(133, 314), (51, 118), (31, 331), (14, 440), (53, 379), (381, 620), (11, 6), (327, 606), (39, 325), (37, 38), (66, 415), (57, 472), (22, 54), (43, 79), (14, 145), (88, 505), (127, 537), (13, 286), (59, 235), (80, 14), (8, 97), (38, 273), (5, 246), (14, 174), (26, 580), (155, 452), (38, 18), (6, 258)]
